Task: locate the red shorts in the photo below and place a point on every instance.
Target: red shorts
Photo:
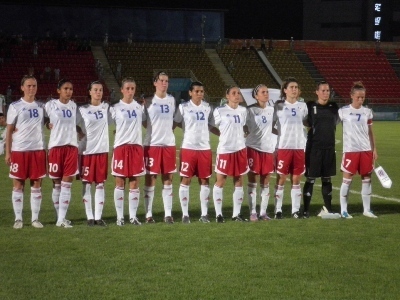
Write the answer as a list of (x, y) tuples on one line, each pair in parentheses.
[(160, 159), (28, 164), (196, 163), (361, 162), (94, 167), (127, 161), (289, 161), (232, 164), (261, 163), (63, 161)]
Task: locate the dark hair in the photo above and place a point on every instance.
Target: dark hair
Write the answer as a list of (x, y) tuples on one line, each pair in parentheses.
[(195, 83), (158, 74), (319, 83), (255, 90), (231, 87), (91, 84), (62, 82), (127, 79), (26, 77), (1, 115), (285, 84), (357, 86)]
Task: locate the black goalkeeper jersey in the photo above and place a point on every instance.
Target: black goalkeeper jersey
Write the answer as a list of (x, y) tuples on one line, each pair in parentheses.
[(322, 120)]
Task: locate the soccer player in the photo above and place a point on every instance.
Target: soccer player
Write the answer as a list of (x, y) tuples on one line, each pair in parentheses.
[(289, 116), (25, 152), (3, 132), (63, 149), (195, 118), (128, 160), (260, 150), (359, 149), (320, 148), (231, 152), (159, 147), (93, 121)]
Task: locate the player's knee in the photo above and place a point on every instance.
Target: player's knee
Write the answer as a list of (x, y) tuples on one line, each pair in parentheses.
[(325, 179), (310, 180)]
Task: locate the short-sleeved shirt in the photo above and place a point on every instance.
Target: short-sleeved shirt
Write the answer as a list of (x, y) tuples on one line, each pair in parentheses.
[(27, 117), (195, 120), (356, 124)]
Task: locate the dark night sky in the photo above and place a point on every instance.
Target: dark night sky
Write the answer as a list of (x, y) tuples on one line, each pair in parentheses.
[(243, 19)]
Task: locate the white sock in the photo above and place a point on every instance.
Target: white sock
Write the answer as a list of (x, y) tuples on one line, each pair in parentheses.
[(278, 198), (167, 200), (87, 200), (65, 199), (119, 202), (204, 197), (295, 194), (344, 193), (366, 191), (18, 203), (55, 196), (252, 196), (134, 196), (264, 199), (184, 198), (98, 201), (36, 201), (218, 197), (148, 200), (237, 200)]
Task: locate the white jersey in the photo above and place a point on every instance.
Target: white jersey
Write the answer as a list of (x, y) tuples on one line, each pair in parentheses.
[(195, 120), (2, 103), (160, 118), (259, 123), (230, 122), (63, 118), (289, 118), (128, 120), (3, 132), (28, 120), (94, 123), (355, 128)]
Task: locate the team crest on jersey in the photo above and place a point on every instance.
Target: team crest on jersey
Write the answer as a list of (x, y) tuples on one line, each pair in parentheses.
[(89, 113)]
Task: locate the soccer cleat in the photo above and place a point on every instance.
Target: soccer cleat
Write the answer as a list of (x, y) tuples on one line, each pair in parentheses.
[(253, 217), (296, 215), (120, 222), (369, 214), (37, 224), (306, 215), (100, 222), (278, 215), (239, 218), (204, 219), (135, 221), (185, 220), (169, 220), (323, 211), (220, 219), (150, 220), (264, 218), (64, 224), (18, 224), (67, 221), (346, 215), (90, 222)]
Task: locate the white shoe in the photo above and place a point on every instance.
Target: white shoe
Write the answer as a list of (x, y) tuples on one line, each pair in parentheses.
[(346, 215), (323, 211), (120, 222), (18, 224), (37, 224), (369, 214), (65, 223)]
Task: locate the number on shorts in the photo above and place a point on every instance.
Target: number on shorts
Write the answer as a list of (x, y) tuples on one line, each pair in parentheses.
[(53, 168), (251, 162), (85, 171), (149, 161), (222, 163), (118, 164), (348, 162), (280, 164), (14, 168), (185, 166)]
